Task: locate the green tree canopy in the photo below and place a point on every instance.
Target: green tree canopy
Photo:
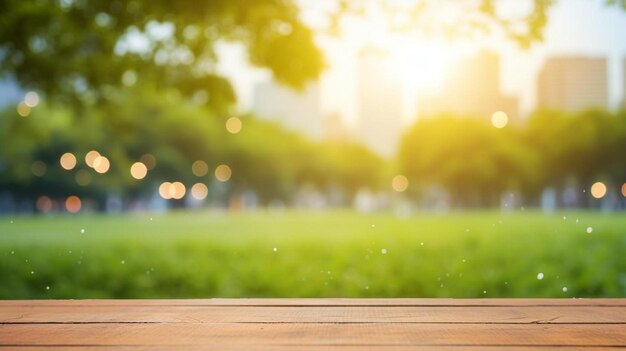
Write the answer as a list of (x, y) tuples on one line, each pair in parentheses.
[(78, 51), (467, 156)]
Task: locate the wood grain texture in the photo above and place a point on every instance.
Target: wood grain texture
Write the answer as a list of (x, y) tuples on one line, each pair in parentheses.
[(314, 324), (322, 302), (307, 314), (306, 348)]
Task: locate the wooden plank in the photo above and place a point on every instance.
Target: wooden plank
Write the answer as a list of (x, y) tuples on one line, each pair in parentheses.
[(313, 324), (304, 348), (308, 314), (315, 348), (323, 302), (327, 335)]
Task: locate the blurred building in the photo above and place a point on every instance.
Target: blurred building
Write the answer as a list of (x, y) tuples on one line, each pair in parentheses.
[(335, 129), (573, 83), (472, 89), (298, 111), (624, 85), (380, 94)]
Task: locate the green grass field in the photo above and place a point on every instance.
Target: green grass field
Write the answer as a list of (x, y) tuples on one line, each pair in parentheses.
[(321, 254)]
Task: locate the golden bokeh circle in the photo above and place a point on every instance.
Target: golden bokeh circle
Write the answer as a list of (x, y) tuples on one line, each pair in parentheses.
[(200, 168), (399, 183), (101, 164), (164, 190), (199, 191), (499, 119), (138, 170), (234, 125), (90, 157), (73, 204), (223, 173), (598, 190), (68, 161)]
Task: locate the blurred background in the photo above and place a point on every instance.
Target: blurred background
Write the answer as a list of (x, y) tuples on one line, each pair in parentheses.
[(205, 139)]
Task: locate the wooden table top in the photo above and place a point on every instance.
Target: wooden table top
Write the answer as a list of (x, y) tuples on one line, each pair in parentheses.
[(314, 324)]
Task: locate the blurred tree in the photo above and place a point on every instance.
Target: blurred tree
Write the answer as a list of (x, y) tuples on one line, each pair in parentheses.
[(30, 149), (79, 51), (472, 160), (352, 166), (567, 142), (463, 18), (616, 156), (275, 163), (261, 157), (140, 120), (583, 147), (141, 77)]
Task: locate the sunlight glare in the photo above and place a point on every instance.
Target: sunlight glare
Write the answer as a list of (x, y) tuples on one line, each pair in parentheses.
[(90, 157), (138, 170), (164, 190), (101, 164), (499, 119), (399, 183), (68, 161), (177, 190), (233, 125), (73, 204), (199, 168), (199, 191), (223, 173), (23, 109), (598, 190), (424, 65)]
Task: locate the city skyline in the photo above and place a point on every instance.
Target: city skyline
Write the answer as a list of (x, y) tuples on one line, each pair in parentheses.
[(576, 28), (294, 110), (571, 83), (472, 89), (379, 126), (568, 83)]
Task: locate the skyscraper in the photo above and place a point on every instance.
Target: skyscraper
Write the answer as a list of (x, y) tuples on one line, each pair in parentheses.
[(471, 89), (335, 128), (298, 111), (379, 102), (624, 85), (573, 83)]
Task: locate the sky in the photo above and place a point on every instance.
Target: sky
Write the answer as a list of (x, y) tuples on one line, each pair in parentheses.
[(575, 27)]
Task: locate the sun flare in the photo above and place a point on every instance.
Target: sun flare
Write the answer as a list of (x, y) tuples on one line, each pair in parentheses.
[(424, 65)]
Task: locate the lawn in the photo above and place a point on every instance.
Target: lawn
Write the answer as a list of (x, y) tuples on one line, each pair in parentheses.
[(319, 254)]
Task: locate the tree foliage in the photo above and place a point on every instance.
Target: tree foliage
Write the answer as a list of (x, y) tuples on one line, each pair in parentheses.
[(454, 18), (476, 162), (263, 157), (80, 51), (586, 146)]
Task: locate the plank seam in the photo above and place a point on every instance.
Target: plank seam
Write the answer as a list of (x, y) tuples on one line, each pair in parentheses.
[(325, 306), (332, 345), (328, 322)]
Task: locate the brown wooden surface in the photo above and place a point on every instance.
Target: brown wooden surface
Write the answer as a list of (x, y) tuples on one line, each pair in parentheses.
[(314, 324)]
